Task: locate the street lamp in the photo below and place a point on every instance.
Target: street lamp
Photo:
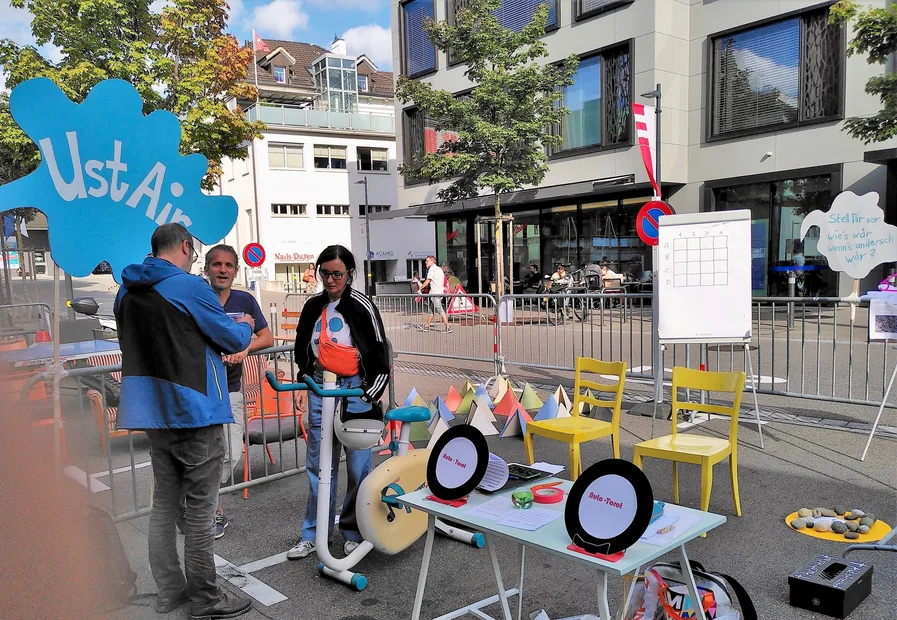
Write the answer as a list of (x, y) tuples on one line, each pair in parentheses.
[(655, 94), (367, 230)]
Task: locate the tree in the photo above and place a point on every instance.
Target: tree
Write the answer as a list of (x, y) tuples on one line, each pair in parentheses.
[(875, 35), (181, 61), (499, 132)]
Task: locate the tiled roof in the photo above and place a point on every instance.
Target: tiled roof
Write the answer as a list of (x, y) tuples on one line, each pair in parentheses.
[(381, 82)]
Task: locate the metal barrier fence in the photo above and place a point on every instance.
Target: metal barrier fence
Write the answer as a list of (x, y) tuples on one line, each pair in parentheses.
[(116, 462), (26, 319), (470, 317)]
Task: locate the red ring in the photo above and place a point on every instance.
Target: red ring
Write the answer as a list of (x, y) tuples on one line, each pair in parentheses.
[(548, 496)]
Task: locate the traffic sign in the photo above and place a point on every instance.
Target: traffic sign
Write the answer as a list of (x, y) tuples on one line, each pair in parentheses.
[(254, 254), (646, 222)]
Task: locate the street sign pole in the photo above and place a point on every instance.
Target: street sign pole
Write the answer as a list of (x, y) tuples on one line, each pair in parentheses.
[(254, 256)]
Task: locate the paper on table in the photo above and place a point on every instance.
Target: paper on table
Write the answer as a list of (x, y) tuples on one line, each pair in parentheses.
[(496, 474), (530, 519), (684, 522), (550, 468), (493, 510), (663, 522)]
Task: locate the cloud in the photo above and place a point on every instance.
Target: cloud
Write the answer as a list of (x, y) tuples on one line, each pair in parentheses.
[(372, 40), (236, 9), (15, 24), (279, 18), (336, 5), (766, 74)]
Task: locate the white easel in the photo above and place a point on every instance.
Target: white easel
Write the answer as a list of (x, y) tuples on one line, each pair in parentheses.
[(881, 408)]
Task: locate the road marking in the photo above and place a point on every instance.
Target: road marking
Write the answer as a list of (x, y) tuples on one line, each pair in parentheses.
[(258, 565), (262, 592), (78, 475), (120, 470)]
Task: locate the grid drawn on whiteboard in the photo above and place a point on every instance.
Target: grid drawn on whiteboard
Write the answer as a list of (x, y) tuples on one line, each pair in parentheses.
[(701, 261)]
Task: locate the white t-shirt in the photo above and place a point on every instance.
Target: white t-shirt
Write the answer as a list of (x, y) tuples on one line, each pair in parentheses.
[(337, 329), (436, 276)]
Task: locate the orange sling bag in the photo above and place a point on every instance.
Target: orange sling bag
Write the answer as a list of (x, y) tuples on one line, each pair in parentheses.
[(337, 358)]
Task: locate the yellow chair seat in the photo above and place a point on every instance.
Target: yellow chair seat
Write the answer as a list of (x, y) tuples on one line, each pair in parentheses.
[(585, 429), (682, 446)]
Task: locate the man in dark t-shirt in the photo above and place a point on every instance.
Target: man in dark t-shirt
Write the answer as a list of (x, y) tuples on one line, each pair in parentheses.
[(221, 269)]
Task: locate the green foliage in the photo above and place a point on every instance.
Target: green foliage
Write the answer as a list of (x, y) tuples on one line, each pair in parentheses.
[(875, 35), (504, 125), (181, 61)]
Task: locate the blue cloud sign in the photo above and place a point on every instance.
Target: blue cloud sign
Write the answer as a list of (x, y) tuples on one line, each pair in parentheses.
[(109, 175)]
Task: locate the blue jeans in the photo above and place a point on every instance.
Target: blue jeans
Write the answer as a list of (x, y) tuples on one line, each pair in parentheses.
[(358, 464)]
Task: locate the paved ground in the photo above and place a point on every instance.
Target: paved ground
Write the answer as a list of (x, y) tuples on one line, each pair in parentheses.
[(801, 465)]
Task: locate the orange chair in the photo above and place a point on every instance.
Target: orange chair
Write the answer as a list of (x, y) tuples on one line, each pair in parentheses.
[(13, 345), (39, 400)]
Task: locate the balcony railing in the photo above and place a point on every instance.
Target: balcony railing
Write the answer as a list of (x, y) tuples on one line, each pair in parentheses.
[(294, 116)]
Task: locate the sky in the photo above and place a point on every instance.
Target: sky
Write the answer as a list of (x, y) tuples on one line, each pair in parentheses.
[(364, 24)]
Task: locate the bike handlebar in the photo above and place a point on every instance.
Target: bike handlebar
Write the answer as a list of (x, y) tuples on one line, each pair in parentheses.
[(309, 384)]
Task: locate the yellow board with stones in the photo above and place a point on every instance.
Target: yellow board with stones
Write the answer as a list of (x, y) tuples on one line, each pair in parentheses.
[(878, 531)]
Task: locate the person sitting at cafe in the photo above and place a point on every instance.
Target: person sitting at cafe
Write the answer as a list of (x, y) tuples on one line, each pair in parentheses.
[(560, 276), (531, 280), (608, 274)]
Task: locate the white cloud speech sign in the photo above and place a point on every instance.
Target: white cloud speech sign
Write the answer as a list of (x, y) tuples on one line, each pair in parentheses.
[(853, 234)]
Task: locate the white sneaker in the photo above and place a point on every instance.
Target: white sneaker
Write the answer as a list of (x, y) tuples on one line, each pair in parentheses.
[(303, 549), (350, 546)]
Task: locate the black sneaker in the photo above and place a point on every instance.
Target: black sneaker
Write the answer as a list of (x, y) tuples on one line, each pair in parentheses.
[(220, 524), (167, 604), (226, 607)]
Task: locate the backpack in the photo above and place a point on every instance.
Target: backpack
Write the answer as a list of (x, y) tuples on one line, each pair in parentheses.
[(661, 594), (116, 584)]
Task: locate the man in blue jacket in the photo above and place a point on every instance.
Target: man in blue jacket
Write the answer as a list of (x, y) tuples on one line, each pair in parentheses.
[(173, 332)]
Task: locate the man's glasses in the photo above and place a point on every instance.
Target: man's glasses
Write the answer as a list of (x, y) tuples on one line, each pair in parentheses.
[(336, 275), (195, 253)]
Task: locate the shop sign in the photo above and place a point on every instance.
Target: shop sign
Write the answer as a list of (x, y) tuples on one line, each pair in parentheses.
[(420, 255), (293, 257)]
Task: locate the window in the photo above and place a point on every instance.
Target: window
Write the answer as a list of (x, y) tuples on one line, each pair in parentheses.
[(333, 209), (373, 159), (333, 157), (285, 156), (282, 210), (513, 14), (362, 82), (373, 209), (599, 101), (421, 136), (418, 52), (778, 208), (335, 84), (280, 74), (590, 8), (776, 75)]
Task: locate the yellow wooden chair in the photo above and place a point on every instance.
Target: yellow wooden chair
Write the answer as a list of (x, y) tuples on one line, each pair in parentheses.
[(578, 429), (700, 449)]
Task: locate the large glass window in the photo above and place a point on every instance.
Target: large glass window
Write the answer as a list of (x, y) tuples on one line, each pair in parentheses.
[(372, 159), (527, 245), (418, 52), (335, 83), (285, 156), (777, 212), (333, 157), (513, 14), (451, 248), (778, 74), (422, 137), (609, 237), (599, 101), (588, 8)]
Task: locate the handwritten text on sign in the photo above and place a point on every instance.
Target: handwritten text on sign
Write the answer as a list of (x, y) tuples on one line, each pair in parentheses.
[(608, 507), (452, 469), (853, 235), (109, 175)]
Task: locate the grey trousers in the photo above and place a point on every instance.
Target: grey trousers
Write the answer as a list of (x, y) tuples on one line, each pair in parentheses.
[(186, 463)]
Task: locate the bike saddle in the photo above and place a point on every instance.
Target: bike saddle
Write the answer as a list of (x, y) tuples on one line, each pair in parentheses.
[(408, 414)]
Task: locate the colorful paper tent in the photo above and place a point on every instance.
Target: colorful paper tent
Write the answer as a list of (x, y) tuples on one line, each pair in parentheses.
[(484, 404), (507, 404), (563, 412), (412, 396), (452, 399), (548, 411), (482, 393), (468, 398), (529, 399), (439, 427), (516, 424), (441, 412), (479, 419), (560, 395), (498, 389)]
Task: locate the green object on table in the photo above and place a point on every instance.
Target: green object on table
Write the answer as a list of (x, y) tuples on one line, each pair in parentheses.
[(522, 499)]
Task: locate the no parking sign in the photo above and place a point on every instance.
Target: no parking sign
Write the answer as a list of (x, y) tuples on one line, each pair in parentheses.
[(254, 254), (647, 221)]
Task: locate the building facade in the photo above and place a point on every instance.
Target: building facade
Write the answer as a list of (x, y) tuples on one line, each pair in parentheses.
[(330, 136), (753, 99)]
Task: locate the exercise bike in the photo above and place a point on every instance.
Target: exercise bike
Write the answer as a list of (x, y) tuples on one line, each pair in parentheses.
[(384, 522)]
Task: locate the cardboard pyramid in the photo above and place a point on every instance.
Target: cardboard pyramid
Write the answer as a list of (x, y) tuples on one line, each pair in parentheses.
[(480, 420), (507, 404), (529, 399), (468, 398), (548, 411), (412, 396), (563, 412), (420, 431), (498, 389), (516, 424), (452, 399), (560, 395), (441, 412), (485, 405), (438, 429), (585, 409), (482, 393)]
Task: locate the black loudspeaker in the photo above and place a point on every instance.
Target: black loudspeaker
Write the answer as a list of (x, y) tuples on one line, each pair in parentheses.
[(830, 586)]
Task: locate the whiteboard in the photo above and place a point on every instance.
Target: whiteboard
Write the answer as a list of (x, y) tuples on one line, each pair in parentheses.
[(704, 270)]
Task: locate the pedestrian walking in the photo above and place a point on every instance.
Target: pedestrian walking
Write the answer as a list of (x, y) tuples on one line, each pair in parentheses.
[(221, 268), (434, 285), (173, 333), (309, 283), (343, 318)]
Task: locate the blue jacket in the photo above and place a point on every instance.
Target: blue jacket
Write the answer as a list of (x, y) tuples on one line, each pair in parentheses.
[(173, 331)]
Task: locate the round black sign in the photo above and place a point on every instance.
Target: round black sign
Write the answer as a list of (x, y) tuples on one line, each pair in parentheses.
[(609, 507), (457, 462)]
